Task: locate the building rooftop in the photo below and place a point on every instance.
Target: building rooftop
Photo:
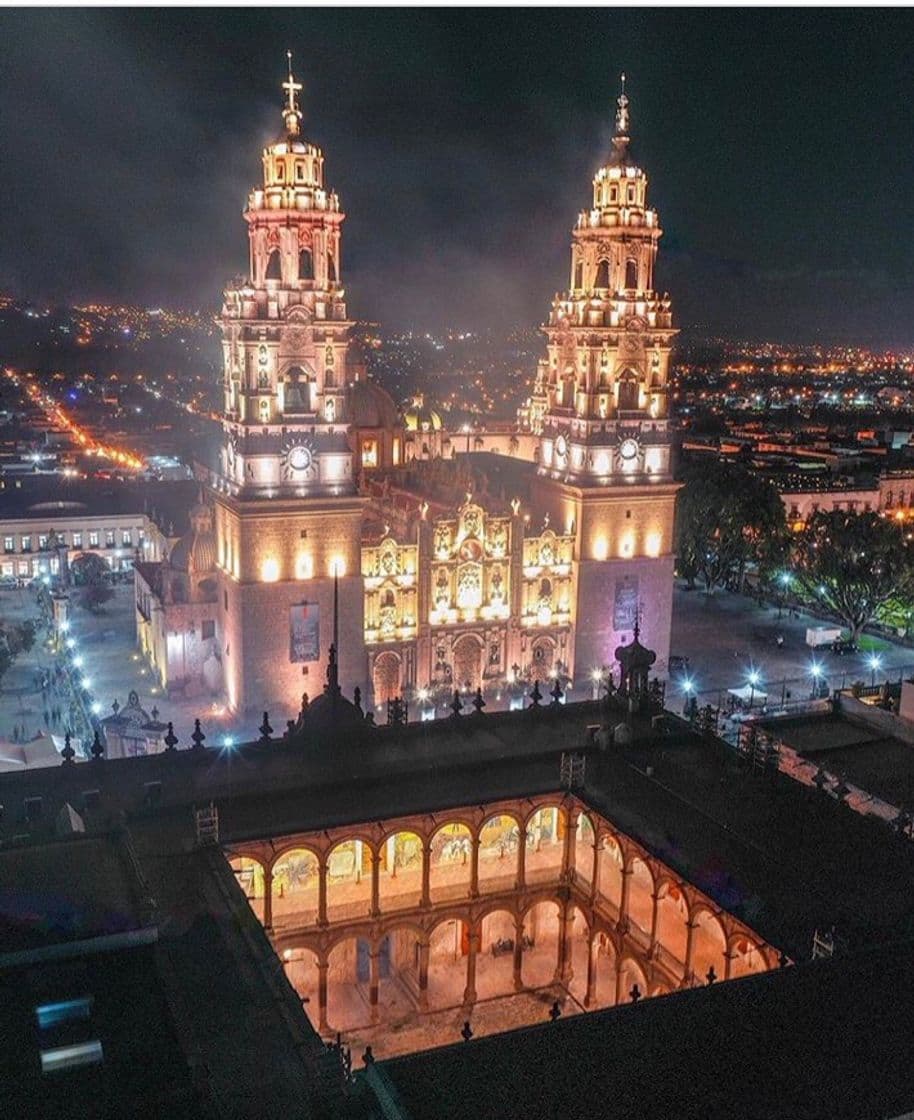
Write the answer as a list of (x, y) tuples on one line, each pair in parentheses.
[(47, 497)]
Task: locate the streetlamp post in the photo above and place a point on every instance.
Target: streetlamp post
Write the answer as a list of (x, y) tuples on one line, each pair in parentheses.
[(753, 682), (875, 665)]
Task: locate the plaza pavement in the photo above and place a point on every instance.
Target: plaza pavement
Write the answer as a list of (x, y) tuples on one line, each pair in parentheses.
[(726, 636)]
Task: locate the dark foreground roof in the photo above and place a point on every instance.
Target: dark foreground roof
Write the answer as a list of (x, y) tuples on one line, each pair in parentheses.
[(826, 1039)]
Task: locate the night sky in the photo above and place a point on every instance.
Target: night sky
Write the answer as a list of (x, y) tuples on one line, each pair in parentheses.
[(462, 144)]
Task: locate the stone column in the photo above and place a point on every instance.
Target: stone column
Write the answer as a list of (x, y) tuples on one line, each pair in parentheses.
[(627, 873), (375, 885), (728, 963), (568, 848), (373, 982), (518, 955), (423, 975), (323, 1027), (563, 969), (655, 915), (426, 899), (474, 867), (322, 891), (591, 971), (268, 898), (469, 995), (595, 874), (521, 883), (620, 995), (690, 942)]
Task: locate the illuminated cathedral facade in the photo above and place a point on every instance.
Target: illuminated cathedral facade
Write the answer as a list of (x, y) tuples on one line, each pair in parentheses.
[(455, 571)]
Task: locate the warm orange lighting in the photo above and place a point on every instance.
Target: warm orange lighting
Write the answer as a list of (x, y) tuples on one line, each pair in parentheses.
[(269, 570), (600, 548), (304, 566)]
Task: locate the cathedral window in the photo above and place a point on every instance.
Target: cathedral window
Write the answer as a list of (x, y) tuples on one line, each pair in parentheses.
[(331, 268), (305, 265), (602, 278), (274, 266), (631, 274)]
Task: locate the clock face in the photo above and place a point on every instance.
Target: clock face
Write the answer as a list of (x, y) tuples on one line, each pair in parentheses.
[(628, 449), (299, 457)]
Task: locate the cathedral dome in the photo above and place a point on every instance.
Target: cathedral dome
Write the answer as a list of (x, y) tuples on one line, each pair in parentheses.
[(370, 406), (196, 550), (419, 418)]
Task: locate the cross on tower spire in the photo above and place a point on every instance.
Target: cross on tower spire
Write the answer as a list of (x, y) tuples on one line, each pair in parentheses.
[(622, 112), (292, 113)]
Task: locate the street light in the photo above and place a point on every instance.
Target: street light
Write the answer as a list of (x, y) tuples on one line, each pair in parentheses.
[(875, 663), (754, 679), (815, 671), (688, 690), (784, 579)]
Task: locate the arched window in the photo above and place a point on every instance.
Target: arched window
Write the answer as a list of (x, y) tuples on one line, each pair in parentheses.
[(305, 265), (602, 279), (579, 275), (331, 268), (631, 274), (274, 266), (628, 392)]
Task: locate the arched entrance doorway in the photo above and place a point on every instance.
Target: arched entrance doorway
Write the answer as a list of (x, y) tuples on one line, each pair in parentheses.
[(467, 663), (385, 677)]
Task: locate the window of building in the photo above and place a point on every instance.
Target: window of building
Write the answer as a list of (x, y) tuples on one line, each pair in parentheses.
[(23, 567), (369, 453), (602, 279), (77, 540), (9, 544), (126, 537), (331, 268), (93, 540), (274, 266), (26, 544), (42, 540), (305, 265), (109, 538), (65, 1011), (59, 1058), (631, 274), (207, 629)]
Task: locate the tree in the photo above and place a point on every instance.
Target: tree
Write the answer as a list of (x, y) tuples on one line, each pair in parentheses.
[(94, 596), (726, 517), (852, 565), (15, 638), (89, 567)]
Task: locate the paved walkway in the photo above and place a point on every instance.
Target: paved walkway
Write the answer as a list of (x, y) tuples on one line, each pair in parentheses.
[(727, 636)]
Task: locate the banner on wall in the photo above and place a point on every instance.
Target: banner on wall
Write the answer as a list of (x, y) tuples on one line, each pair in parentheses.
[(625, 603), (304, 632)]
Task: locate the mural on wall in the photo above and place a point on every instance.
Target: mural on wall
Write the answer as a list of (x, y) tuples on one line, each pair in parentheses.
[(625, 603), (304, 632)]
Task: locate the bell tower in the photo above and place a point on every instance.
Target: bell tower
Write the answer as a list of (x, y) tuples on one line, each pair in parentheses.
[(604, 453), (288, 518)]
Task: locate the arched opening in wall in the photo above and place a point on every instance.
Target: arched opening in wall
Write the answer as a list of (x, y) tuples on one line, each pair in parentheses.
[(628, 391), (709, 946), (347, 985), (745, 958), (448, 945), (348, 881), (672, 931), (540, 945), (274, 266), (495, 960), (499, 842), (296, 881), (467, 661), (398, 972), (640, 896), (400, 871), (630, 975), (577, 950), (631, 274), (296, 393), (579, 275), (545, 840), (331, 268), (249, 875), (305, 265), (604, 964), (450, 862), (542, 653), (302, 973), (602, 278), (385, 677), (584, 839)]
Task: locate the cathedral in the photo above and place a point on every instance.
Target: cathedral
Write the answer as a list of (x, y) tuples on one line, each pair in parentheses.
[(433, 567)]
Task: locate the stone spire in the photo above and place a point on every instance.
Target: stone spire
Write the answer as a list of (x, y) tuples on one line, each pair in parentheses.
[(622, 137), (291, 113)]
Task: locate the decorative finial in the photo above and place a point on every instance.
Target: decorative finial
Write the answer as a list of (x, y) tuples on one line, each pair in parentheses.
[(291, 113), (622, 112)]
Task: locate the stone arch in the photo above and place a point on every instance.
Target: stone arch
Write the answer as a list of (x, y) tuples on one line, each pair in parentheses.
[(400, 870), (629, 391), (300, 964), (273, 270), (385, 677), (348, 875), (305, 264), (542, 652), (746, 956), (450, 860), (601, 280), (609, 879), (296, 390), (631, 274), (709, 944), (347, 996), (545, 838), (499, 847), (630, 974), (640, 894), (604, 964), (672, 923), (495, 960), (578, 948), (541, 933), (467, 659), (448, 945), (296, 885), (584, 840)]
